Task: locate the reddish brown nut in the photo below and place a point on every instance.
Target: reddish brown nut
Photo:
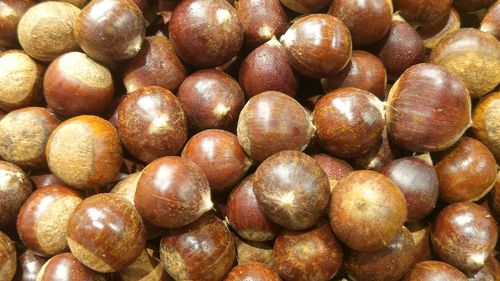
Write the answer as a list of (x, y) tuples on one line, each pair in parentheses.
[(29, 265), (211, 99), (495, 196), (15, 187), (472, 5), (491, 21), (435, 271), (423, 12), (349, 122), (67, 267), (334, 168), (120, 25), (486, 122), (428, 109), (318, 45), (490, 271), (21, 80), (209, 37), (377, 157), (365, 71), (368, 21), (431, 35), (466, 172), (8, 263), (420, 231), (389, 263), (85, 152), (251, 251), (156, 64), (271, 122), (11, 12), (474, 56), (189, 253), (305, 6), (292, 189), (24, 134), (155, 114), (464, 235), (367, 210), (172, 192), (75, 84), (313, 254), (146, 267), (267, 68), (252, 271), (106, 233)]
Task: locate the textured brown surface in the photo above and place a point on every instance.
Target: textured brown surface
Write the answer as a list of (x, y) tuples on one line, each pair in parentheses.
[(334, 168), (305, 6), (423, 12), (491, 21), (486, 122), (435, 271), (252, 271), (11, 11), (250, 251), (15, 188), (8, 263), (145, 268), (66, 267)]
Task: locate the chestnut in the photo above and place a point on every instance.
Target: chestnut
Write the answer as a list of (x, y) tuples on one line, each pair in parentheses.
[(365, 71), (15, 187), (145, 268), (495, 196), (271, 122), (119, 25), (466, 171), (209, 37), (11, 12), (203, 250), (420, 231), (423, 12), (267, 68), (318, 45), (368, 21), (24, 134), (490, 271), (428, 109), (292, 189), (474, 56), (252, 251), (106, 233), (74, 84), (44, 179), (431, 35), (172, 192), (313, 254), (486, 123), (472, 5), (154, 113), (334, 168), (371, 200), (156, 64), (252, 271), (85, 152), (464, 235), (348, 121), (305, 6), (491, 21), (66, 266), (8, 263), (21, 80), (435, 271), (211, 99), (377, 157), (28, 266)]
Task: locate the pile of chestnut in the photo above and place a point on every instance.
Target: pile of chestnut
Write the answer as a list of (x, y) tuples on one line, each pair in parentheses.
[(251, 140)]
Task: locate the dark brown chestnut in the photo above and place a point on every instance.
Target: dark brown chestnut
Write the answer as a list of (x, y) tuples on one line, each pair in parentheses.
[(435, 271), (252, 271), (428, 109), (271, 122), (119, 25), (421, 233), (486, 122), (11, 12), (313, 254), (464, 235), (24, 134), (211, 99), (203, 250), (472, 5), (172, 192), (305, 6), (15, 187), (209, 37), (251, 251), (292, 189), (423, 12), (156, 115), (431, 35), (367, 210), (491, 21), (28, 266), (377, 157), (67, 267), (334, 168), (348, 121), (8, 262)]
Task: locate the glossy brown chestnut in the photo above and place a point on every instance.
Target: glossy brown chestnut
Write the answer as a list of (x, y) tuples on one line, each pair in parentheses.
[(209, 37), (423, 12), (156, 64), (21, 80), (67, 267), (367, 210), (75, 84), (305, 6), (8, 263), (334, 168), (318, 45), (486, 122), (11, 12), (420, 231), (474, 56), (464, 235), (44, 179), (377, 157), (368, 21), (155, 114), (491, 21), (203, 250), (431, 35), (172, 192), (472, 5), (145, 268), (252, 271), (85, 152), (28, 265), (313, 254), (389, 263), (271, 122), (428, 109), (434, 271), (365, 71), (267, 68), (15, 187), (348, 121), (211, 99), (106, 233), (120, 25), (24, 134)]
